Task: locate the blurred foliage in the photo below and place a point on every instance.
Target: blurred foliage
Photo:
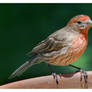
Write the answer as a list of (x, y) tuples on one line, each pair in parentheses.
[(22, 26)]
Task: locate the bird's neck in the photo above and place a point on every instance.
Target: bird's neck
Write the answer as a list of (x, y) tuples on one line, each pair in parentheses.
[(85, 33)]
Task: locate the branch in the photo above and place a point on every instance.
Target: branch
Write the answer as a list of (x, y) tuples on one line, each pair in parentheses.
[(66, 81)]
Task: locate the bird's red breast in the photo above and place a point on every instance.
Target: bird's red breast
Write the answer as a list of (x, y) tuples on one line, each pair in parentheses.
[(79, 45), (79, 41)]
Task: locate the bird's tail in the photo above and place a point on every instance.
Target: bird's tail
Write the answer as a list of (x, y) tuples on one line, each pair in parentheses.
[(24, 67)]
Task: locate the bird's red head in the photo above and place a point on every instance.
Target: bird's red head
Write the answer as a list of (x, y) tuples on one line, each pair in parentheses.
[(81, 23)]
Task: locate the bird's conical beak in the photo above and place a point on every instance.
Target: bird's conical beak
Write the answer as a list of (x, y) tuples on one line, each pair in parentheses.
[(90, 23)]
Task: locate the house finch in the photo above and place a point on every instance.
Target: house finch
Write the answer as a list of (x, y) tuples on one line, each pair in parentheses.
[(61, 48)]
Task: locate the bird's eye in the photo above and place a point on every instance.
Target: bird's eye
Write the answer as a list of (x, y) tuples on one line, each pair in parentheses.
[(79, 22)]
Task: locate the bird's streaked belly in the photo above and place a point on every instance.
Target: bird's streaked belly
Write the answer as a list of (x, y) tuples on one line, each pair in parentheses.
[(77, 49)]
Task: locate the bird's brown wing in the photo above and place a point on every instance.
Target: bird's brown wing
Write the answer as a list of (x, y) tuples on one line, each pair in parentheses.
[(49, 45)]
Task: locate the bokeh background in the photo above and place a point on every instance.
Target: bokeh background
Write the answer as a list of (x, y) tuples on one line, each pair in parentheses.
[(22, 26)]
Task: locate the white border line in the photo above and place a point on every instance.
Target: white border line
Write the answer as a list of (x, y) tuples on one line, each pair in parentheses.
[(45, 1)]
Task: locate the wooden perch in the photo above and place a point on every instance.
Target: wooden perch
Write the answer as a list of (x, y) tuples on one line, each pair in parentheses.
[(66, 81)]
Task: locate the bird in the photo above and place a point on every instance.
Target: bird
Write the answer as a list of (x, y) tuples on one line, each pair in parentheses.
[(62, 47)]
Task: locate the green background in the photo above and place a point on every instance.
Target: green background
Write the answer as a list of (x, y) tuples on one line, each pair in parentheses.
[(22, 26)]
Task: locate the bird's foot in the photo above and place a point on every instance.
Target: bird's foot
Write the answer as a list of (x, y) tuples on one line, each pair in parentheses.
[(58, 79), (55, 76), (83, 78)]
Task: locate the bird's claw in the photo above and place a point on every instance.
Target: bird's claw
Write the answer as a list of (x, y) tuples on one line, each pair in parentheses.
[(55, 77), (84, 77)]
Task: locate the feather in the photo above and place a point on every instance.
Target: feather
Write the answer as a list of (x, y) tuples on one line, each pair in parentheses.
[(24, 67)]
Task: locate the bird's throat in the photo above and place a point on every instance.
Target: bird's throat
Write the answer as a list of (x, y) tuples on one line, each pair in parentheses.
[(85, 33)]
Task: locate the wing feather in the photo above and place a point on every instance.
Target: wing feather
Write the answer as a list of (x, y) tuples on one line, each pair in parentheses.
[(47, 46)]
